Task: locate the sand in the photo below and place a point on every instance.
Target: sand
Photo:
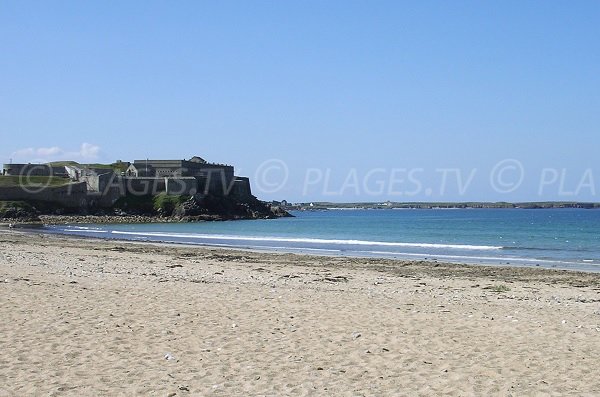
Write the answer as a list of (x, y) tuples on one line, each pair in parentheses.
[(104, 318)]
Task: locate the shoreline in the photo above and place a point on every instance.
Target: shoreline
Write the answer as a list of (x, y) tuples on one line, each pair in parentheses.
[(433, 268), (96, 317), (508, 262)]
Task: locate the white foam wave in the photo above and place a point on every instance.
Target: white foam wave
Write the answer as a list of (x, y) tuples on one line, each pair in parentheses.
[(84, 231), (311, 240)]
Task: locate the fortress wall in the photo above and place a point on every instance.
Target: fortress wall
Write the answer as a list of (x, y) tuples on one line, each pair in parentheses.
[(71, 195), (241, 187), (143, 186), (181, 186)]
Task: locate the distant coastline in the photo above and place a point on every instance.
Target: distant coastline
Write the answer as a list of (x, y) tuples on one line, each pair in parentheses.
[(319, 206)]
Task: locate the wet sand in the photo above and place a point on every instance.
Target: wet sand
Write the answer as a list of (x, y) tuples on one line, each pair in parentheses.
[(87, 317)]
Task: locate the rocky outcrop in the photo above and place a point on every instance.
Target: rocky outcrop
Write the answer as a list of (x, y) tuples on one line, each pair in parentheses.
[(150, 209), (18, 212), (226, 208)]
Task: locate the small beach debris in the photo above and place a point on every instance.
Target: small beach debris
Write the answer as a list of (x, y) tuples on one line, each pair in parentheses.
[(356, 335), (174, 266), (334, 279), (169, 356)]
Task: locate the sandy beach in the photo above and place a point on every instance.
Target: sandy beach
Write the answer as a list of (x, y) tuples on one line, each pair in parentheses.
[(105, 318)]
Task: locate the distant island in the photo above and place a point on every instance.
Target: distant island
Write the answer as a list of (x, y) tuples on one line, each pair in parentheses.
[(141, 191), (320, 206)]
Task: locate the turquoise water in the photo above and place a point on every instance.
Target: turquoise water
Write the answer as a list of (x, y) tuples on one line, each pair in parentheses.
[(559, 238)]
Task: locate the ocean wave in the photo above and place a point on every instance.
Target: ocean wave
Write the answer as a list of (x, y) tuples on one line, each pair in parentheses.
[(486, 259), (573, 249), (85, 231), (311, 240)]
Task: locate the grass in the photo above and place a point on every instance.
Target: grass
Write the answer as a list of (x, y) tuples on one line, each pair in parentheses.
[(167, 204), (16, 180), (62, 163)]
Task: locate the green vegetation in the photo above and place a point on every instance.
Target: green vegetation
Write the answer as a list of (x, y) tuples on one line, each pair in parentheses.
[(120, 167), (62, 163), (38, 181), (162, 204), (113, 166), (166, 204), (4, 205), (17, 209)]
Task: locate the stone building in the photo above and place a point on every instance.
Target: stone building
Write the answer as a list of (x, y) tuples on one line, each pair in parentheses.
[(105, 185), (211, 178), (194, 167)]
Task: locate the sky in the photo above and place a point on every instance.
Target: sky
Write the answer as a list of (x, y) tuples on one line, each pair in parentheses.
[(315, 100)]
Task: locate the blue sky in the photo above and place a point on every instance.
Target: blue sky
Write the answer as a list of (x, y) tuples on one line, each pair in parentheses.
[(336, 101)]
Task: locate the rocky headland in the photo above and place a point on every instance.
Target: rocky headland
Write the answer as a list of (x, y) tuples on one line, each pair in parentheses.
[(145, 209)]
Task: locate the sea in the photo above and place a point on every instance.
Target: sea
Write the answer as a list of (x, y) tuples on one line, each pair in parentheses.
[(550, 238)]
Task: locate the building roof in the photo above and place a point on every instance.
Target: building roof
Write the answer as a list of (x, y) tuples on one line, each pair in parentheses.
[(197, 159)]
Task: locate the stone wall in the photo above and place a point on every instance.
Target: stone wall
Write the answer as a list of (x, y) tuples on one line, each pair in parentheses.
[(70, 195), (241, 187), (181, 186), (104, 190)]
